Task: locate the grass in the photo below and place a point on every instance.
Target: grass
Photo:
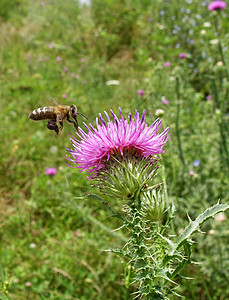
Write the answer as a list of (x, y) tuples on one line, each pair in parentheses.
[(69, 234)]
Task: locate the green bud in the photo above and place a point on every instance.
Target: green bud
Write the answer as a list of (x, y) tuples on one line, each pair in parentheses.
[(127, 176), (154, 203)]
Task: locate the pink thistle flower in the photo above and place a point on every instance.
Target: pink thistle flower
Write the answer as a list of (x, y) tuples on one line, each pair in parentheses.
[(50, 46), (93, 150), (64, 96), (217, 5), (165, 101), (65, 69), (208, 97), (76, 233), (50, 171), (47, 58), (141, 92), (28, 284), (84, 82), (182, 55), (166, 64), (58, 58), (83, 61)]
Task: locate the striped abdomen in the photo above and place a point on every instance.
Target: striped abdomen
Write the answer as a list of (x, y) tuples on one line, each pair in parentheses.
[(42, 113)]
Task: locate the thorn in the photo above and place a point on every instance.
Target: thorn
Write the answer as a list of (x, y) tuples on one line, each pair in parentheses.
[(189, 218)]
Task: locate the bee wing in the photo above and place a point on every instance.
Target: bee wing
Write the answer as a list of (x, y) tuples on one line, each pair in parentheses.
[(54, 101)]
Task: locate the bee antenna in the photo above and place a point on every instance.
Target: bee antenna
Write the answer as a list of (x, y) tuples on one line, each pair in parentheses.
[(82, 116)]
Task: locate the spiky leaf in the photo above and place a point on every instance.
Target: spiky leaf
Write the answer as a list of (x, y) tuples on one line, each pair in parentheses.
[(194, 225)]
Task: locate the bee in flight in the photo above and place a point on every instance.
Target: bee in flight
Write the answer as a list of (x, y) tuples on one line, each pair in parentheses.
[(56, 114)]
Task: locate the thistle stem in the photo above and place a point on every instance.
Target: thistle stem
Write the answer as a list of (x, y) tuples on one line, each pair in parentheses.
[(139, 252), (221, 106), (222, 127), (220, 45), (178, 121)]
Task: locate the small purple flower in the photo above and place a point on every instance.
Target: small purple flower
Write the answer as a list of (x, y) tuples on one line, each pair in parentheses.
[(28, 284), (182, 55), (47, 58), (165, 101), (83, 60), (58, 58), (93, 150), (84, 82), (65, 69), (50, 46), (217, 5), (141, 92), (149, 20), (42, 3), (64, 96), (196, 163), (191, 173), (50, 171), (166, 64), (208, 97)]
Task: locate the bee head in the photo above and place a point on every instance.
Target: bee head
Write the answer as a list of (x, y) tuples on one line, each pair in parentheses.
[(73, 111)]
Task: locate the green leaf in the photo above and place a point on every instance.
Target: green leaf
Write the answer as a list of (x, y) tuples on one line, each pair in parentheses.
[(186, 260), (171, 244), (190, 229), (120, 252), (162, 273), (194, 225)]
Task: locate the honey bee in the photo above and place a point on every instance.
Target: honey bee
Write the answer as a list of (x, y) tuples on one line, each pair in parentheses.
[(56, 114)]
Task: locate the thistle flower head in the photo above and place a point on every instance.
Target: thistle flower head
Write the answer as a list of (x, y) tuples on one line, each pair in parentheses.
[(120, 153), (50, 171), (217, 5), (182, 55)]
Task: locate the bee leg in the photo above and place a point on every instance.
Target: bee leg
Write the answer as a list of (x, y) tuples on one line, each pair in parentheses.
[(61, 125), (75, 123), (59, 119), (53, 126), (69, 121), (56, 129)]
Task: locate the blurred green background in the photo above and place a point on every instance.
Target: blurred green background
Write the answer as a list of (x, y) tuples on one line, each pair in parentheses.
[(51, 243)]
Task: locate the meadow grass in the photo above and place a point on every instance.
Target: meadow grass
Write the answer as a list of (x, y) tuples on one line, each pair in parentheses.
[(51, 243)]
